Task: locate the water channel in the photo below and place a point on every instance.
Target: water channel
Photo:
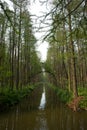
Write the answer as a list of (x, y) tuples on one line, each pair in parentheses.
[(42, 110)]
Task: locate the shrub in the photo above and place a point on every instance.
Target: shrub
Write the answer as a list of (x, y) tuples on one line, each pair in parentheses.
[(10, 98)]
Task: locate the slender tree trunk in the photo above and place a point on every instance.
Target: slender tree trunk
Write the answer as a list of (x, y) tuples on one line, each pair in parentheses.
[(19, 41), (13, 47), (10, 51), (68, 76), (2, 49), (73, 67)]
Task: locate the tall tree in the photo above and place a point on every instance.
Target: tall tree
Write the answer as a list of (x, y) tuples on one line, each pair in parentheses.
[(64, 35)]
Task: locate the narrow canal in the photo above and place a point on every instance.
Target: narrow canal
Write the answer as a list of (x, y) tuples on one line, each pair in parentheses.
[(42, 111)]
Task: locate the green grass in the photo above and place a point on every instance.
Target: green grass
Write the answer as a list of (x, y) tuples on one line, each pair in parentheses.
[(10, 98)]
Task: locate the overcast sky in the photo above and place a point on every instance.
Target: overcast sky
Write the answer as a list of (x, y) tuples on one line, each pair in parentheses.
[(37, 9)]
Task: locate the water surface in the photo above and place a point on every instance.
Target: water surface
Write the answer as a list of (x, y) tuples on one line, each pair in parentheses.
[(42, 111)]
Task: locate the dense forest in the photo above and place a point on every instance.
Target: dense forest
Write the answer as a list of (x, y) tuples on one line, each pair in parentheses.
[(66, 63), (67, 53), (19, 60)]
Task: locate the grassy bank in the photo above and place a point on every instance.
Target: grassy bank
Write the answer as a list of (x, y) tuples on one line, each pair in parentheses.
[(63, 94), (9, 98), (67, 97)]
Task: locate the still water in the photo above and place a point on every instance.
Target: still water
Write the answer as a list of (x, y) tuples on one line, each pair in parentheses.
[(42, 111), (43, 100)]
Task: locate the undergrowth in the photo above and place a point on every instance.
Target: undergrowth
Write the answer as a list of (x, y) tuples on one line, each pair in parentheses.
[(66, 96), (83, 92), (11, 97), (63, 94)]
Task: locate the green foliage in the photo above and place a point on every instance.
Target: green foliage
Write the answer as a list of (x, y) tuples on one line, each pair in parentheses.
[(83, 92), (66, 29), (48, 67), (10, 98), (64, 95), (4, 72), (83, 103)]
